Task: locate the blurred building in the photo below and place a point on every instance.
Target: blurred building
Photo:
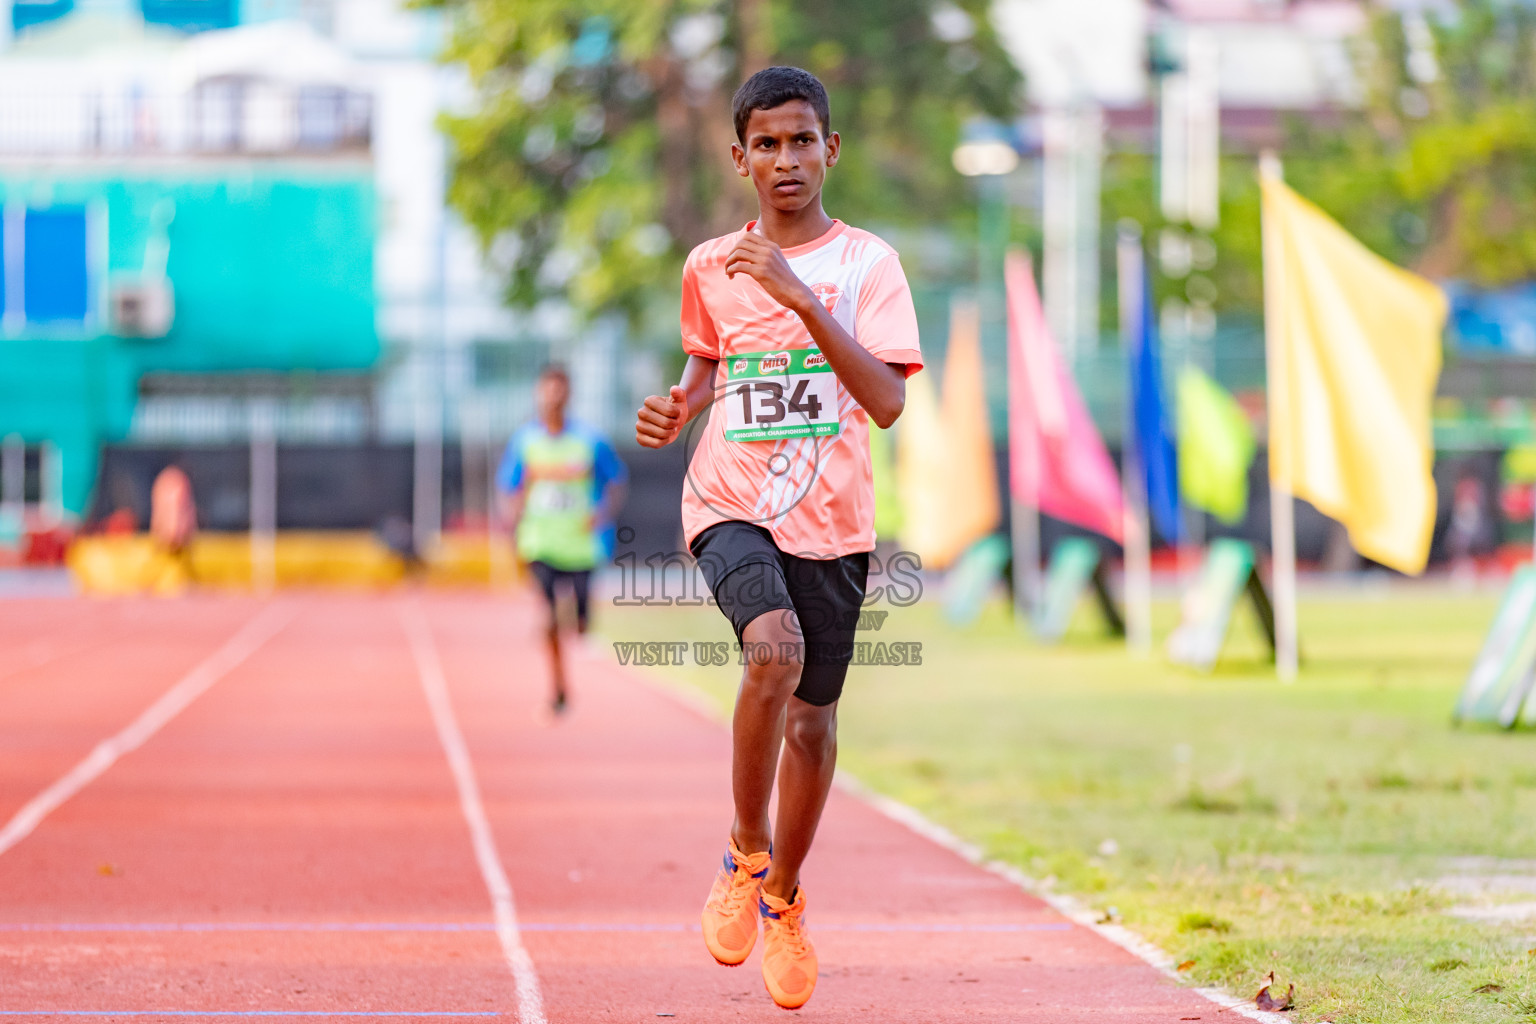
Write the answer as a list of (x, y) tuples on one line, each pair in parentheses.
[(223, 211), (1190, 82), (1184, 79)]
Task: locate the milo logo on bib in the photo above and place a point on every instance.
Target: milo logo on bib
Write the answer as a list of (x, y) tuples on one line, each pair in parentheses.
[(770, 396)]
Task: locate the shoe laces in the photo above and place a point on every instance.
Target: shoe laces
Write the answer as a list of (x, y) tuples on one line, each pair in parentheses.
[(730, 896), (790, 928)]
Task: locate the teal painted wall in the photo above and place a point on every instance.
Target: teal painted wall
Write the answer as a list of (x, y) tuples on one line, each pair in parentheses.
[(73, 392), (272, 269)]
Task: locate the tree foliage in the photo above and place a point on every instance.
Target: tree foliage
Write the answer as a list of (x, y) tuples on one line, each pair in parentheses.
[(597, 150), (1437, 170)]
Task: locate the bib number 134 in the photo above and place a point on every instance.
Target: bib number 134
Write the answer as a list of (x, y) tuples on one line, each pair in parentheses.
[(774, 395)]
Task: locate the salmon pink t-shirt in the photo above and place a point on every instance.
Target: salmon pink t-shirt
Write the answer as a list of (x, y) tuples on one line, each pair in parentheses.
[(814, 494)]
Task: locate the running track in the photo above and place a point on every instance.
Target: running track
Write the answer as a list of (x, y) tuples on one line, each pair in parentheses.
[(349, 808)]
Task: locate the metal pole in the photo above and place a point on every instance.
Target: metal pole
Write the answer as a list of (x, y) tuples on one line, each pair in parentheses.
[(1138, 550), (500, 551), (51, 473), (1024, 527), (470, 497), (1024, 510), (1060, 205), (1087, 173), (1023, 517), (263, 501), (992, 237), (13, 477), (431, 371), (1176, 191), (1202, 181), (427, 496), (1282, 511), (1202, 113)]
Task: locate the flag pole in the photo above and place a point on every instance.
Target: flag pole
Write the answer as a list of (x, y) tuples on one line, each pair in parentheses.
[(1138, 551), (1023, 511), (1282, 506), (1024, 527)]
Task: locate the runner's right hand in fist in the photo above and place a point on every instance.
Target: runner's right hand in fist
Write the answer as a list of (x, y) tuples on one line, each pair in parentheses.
[(661, 417)]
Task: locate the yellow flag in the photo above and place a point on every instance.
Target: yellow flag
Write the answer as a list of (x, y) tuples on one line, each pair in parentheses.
[(944, 463), (974, 507), (919, 464), (1354, 358)]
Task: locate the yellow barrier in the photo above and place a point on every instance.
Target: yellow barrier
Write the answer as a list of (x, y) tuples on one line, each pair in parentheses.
[(137, 565), (299, 560), (470, 560), (125, 565)]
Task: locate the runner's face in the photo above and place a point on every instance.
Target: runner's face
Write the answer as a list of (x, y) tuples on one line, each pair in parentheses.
[(786, 156), (550, 397)]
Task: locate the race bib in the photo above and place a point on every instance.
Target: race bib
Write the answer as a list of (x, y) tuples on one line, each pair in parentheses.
[(774, 395), (554, 497)]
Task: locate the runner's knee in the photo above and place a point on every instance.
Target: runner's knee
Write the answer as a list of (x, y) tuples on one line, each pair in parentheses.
[(811, 730), (773, 652), (774, 678)]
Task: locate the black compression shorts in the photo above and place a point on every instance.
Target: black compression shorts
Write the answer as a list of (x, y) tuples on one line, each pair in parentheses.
[(750, 576), (550, 578)]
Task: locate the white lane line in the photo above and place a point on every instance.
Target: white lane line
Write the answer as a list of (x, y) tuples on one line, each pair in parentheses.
[(915, 821), (170, 704), (1069, 907), (530, 1004)]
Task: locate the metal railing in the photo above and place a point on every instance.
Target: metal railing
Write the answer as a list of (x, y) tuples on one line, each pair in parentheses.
[(233, 115)]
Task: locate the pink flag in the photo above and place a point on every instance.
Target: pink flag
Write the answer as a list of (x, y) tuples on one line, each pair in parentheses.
[(1058, 461)]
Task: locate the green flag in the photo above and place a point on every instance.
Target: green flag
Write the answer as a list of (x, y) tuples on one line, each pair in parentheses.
[(1215, 447)]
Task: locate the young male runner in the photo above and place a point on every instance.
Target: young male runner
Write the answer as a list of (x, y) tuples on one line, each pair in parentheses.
[(799, 330), (562, 484)]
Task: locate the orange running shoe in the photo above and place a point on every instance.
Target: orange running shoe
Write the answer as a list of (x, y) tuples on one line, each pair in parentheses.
[(789, 959), (730, 915)]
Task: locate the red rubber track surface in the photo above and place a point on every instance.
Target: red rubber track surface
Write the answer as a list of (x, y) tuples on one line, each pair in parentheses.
[(293, 841)]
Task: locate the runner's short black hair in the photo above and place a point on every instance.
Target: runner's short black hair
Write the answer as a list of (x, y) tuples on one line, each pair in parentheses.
[(774, 87)]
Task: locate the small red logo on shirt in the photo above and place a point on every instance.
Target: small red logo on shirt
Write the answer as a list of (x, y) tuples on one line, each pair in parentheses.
[(829, 294), (739, 367), (776, 363), (815, 359)]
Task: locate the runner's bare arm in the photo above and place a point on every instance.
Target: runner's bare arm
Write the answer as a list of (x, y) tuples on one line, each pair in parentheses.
[(512, 508), (880, 387), (608, 508), (662, 416)]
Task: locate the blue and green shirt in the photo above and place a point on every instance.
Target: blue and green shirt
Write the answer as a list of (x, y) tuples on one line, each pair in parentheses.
[(563, 476)]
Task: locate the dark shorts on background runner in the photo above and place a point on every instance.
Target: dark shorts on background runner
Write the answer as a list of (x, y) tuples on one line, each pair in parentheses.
[(580, 581), (750, 576)]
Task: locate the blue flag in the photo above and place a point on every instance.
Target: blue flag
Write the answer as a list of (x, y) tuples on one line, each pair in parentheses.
[(1151, 431)]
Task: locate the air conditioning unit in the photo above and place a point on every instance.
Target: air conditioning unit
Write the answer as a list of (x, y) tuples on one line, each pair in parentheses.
[(141, 309)]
